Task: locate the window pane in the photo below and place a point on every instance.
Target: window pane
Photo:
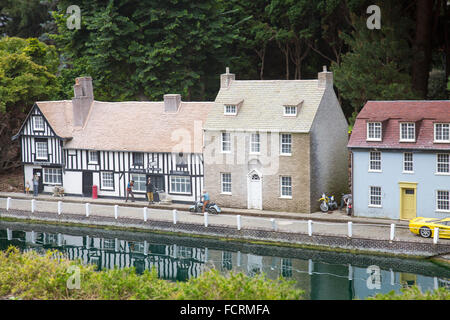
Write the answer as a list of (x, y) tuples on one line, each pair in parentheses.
[(41, 150), (375, 161), (408, 164), (108, 180), (255, 143), (52, 176), (180, 184), (226, 182), (226, 141), (286, 186), (286, 143), (443, 200), (139, 182), (375, 196), (443, 163)]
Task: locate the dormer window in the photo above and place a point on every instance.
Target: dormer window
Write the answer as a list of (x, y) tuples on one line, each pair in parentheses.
[(408, 132), (38, 123), (230, 109), (374, 131), (442, 132), (290, 111)]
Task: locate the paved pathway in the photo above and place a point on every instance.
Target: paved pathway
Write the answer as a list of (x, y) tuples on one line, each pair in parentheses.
[(323, 224)]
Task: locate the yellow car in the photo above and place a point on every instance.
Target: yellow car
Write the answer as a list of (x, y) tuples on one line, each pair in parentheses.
[(425, 227)]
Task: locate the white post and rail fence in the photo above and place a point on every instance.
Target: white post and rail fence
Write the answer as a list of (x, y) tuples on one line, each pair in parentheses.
[(274, 225)]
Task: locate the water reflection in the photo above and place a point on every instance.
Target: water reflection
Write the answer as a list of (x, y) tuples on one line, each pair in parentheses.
[(322, 278)]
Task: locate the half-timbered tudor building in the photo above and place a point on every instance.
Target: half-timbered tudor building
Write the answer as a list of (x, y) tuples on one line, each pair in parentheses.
[(80, 143)]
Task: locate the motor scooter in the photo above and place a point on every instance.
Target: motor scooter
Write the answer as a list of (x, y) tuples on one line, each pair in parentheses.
[(327, 203), (210, 207)]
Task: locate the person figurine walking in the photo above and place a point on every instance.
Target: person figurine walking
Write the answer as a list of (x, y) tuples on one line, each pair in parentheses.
[(205, 197), (35, 185), (130, 191), (27, 188), (150, 190)]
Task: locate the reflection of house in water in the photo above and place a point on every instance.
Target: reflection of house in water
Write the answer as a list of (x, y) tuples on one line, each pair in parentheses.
[(367, 283)]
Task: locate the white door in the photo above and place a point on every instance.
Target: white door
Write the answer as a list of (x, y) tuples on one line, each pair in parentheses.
[(254, 191)]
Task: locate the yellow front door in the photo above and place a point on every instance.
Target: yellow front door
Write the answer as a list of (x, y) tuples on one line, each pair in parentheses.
[(408, 201)]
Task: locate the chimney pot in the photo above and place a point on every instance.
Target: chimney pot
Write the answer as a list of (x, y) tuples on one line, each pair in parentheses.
[(226, 78), (82, 100), (172, 102), (325, 78)]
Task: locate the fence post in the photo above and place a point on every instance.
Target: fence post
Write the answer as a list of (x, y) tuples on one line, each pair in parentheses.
[(87, 210), (145, 248), (206, 218), (8, 203), (174, 213), (145, 214), (436, 235), (310, 230), (33, 205), (238, 221), (116, 211), (8, 234), (350, 272), (59, 207), (33, 237), (350, 229), (88, 242), (274, 224), (392, 232), (310, 267)]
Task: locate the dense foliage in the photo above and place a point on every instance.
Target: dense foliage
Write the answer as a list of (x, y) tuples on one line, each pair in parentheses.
[(414, 293), (32, 276), (142, 49)]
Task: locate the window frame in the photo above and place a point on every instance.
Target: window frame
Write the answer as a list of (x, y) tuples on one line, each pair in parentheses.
[(371, 161), (36, 143), (407, 139), (445, 200), (226, 110), (52, 174), (102, 181), (223, 183), (376, 124), (255, 143), (186, 178), (289, 114), (408, 161), (35, 128), (284, 186), (90, 161), (442, 133), (223, 142), (134, 154), (138, 182), (447, 163), (371, 195), (286, 143)]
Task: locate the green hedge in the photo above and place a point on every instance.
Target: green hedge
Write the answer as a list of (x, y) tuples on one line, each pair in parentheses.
[(32, 276)]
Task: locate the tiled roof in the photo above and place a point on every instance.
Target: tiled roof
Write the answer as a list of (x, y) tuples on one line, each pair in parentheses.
[(262, 107), (391, 114), (131, 126), (59, 115)]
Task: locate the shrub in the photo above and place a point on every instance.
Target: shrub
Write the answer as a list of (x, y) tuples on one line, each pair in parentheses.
[(29, 275)]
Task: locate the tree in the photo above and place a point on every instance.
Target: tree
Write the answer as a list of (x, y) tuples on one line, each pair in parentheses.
[(377, 66), (27, 74), (144, 49), (24, 18)]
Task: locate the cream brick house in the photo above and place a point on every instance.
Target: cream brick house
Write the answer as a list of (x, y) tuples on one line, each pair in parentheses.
[(275, 144)]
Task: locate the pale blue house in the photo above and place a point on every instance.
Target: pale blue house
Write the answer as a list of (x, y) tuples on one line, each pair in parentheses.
[(401, 160)]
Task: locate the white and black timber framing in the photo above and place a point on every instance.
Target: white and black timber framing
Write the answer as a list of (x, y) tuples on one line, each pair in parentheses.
[(161, 166)]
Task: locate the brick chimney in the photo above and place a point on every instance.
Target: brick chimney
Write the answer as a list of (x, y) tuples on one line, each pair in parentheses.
[(226, 79), (172, 102), (325, 78), (82, 100)]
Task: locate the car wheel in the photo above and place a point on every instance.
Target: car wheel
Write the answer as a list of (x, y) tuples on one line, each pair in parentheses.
[(213, 211), (425, 232)]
